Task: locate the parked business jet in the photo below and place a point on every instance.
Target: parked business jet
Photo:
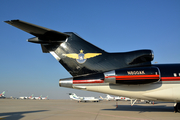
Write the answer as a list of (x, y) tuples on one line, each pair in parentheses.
[(73, 96), (122, 98), (108, 97), (116, 98), (128, 74)]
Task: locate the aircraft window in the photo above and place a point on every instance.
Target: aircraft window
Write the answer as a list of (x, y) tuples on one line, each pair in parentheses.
[(179, 74), (175, 75)]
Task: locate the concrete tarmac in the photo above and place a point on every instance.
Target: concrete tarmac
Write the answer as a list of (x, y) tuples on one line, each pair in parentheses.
[(72, 110)]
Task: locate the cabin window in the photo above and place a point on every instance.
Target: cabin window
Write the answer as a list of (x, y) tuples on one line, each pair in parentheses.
[(175, 75)]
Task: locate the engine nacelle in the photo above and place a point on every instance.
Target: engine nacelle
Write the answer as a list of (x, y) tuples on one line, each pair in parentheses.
[(140, 75)]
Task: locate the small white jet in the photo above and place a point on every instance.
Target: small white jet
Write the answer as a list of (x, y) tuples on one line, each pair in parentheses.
[(108, 97), (73, 96), (137, 100), (2, 95), (122, 98)]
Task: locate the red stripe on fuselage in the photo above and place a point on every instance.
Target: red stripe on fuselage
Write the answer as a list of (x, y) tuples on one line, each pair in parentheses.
[(134, 77), (87, 81), (170, 78)]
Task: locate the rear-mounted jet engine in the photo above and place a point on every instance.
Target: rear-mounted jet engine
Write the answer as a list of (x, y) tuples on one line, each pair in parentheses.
[(141, 75)]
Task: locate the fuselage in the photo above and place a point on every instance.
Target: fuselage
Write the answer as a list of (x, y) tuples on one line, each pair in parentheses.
[(166, 89)]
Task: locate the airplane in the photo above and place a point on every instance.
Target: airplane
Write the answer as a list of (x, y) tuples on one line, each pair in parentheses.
[(30, 97), (37, 98), (44, 98), (2, 95), (25, 97), (122, 98), (129, 74), (108, 97), (22, 97), (137, 100), (116, 98), (73, 96)]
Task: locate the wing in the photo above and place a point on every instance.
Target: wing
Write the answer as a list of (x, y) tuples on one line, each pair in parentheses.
[(73, 55), (90, 55)]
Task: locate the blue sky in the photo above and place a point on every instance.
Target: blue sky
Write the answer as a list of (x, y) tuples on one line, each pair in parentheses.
[(113, 25)]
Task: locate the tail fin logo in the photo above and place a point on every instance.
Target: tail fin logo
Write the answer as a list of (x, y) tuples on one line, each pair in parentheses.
[(81, 57)]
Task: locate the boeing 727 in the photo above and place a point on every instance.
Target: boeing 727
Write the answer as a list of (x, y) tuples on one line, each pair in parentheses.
[(129, 74)]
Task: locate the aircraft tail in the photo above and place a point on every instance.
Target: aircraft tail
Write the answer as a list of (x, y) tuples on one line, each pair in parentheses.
[(30, 96), (78, 56), (73, 96), (101, 97), (40, 97), (2, 94), (108, 96), (46, 97)]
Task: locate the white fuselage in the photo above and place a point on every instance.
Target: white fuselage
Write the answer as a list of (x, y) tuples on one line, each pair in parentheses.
[(154, 91)]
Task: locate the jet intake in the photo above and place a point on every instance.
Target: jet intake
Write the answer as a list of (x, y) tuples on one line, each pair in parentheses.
[(139, 56)]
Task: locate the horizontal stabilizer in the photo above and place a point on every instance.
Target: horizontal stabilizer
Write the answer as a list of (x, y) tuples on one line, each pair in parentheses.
[(43, 34)]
